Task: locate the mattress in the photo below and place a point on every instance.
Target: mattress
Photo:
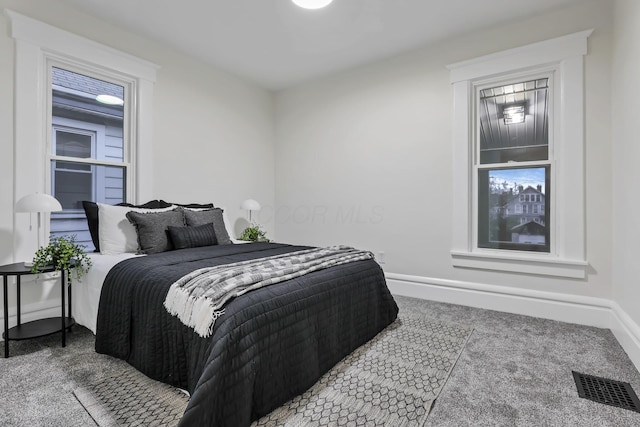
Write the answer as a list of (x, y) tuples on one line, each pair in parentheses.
[(86, 290)]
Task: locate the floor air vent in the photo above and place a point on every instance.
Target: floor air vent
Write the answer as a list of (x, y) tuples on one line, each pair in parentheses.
[(609, 392)]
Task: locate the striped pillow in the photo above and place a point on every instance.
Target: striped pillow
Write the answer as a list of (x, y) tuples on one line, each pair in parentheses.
[(192, 237)]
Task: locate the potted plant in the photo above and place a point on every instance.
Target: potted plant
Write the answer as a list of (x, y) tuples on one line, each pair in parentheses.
[(64, 254), (254, 233)]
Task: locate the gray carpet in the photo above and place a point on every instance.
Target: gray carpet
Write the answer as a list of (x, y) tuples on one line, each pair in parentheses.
[(514, 371)]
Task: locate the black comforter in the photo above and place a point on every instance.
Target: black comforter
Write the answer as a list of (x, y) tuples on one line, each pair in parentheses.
[(269, 346)]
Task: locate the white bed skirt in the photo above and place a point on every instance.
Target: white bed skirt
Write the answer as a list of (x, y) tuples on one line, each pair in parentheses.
[(86, 291)]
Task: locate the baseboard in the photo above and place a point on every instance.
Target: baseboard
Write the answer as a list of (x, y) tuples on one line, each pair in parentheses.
[(627, 332), (589, 311), (548, 305)]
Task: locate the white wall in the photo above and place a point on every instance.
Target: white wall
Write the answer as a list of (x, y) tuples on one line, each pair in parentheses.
[(220, 148), (626, 158), (376, 142), (213, 133)]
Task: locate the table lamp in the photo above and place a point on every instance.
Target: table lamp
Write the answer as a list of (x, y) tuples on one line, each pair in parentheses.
[(38, 202), (250, 205)]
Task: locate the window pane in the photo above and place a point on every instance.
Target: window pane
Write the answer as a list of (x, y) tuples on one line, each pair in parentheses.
[(71, 187), (514, 122), (72, 144), (513, 210), (87, 115), (92, 106), (73, 183)]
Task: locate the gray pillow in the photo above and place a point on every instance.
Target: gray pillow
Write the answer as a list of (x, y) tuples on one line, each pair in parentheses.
[(152, 229), (214, 216), (193, 237)]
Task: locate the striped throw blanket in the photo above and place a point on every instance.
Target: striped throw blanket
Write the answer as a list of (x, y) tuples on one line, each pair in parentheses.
[(198, 298)]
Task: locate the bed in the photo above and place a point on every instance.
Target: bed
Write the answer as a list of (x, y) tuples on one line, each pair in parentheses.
[(270, 344)]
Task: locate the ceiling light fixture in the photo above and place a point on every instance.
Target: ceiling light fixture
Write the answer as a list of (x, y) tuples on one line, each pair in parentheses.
[(109, 99), (513, 114), (312, 4)]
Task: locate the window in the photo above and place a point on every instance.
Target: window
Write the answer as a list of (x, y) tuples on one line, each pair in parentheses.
[(88, 157), (40, 139), (506, 146), (518, 155)]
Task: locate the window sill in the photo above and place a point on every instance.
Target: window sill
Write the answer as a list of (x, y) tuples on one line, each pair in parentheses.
[(543, 265)]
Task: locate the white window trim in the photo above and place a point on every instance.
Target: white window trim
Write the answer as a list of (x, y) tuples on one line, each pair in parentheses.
[(568, 257), (35, 42)]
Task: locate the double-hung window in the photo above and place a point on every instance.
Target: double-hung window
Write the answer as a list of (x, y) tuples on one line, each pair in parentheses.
[(512, 163), (518, 159), (66, 143), (89, 147)]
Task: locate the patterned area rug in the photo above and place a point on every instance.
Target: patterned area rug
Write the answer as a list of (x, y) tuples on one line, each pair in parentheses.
[(132, 399), (392, 380)]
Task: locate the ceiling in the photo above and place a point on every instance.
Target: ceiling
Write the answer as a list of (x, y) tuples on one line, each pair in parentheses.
[(276, 44)]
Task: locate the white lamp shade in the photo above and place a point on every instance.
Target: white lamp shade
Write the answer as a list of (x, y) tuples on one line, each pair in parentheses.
[(312, 4), (38, 202), (250, 205)]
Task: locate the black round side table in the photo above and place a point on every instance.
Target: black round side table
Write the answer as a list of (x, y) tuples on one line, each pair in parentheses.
[(36, 328)]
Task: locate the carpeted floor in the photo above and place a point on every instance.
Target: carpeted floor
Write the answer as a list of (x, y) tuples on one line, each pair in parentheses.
[(514, 371)]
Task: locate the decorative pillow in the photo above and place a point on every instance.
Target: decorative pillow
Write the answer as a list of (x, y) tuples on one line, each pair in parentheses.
[(116, 234), (214, 216), (188, 205), (151, 228), (91, 211), (192, 237)]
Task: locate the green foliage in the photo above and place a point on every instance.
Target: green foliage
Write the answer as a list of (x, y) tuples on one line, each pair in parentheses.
[(63, 253), (254, 234)]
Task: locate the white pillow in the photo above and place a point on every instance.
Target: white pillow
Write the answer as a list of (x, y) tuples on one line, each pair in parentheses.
[(115, 233), (227, 224)]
